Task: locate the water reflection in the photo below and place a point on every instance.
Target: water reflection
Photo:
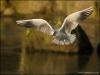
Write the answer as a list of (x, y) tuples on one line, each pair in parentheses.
[(40, 61), (85, 48), (44, 62)]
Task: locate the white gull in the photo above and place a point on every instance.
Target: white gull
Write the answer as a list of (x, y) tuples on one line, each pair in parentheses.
[(63, 35)]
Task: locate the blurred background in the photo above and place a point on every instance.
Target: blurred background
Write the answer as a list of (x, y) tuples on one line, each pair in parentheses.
[(26, 51)]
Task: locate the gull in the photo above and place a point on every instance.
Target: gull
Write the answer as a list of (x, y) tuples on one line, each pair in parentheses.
[(63, 35)]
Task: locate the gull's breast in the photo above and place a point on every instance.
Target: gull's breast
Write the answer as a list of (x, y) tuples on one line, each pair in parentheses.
[(61, 36)]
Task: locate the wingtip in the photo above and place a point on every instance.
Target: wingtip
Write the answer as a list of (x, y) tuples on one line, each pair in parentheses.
[(17, 22), (90, 8)]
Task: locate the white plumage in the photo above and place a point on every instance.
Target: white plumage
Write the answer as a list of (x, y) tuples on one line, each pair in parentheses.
[(63, 34)]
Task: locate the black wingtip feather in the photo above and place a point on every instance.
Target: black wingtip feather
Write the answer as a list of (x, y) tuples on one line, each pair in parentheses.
[(85, 13)]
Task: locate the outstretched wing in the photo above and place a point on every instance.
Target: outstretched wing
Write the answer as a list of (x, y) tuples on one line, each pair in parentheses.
[(38, 24), (72, 21)]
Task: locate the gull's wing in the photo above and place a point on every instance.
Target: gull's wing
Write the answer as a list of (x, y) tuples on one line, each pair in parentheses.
[(72, 21), (38, 24)]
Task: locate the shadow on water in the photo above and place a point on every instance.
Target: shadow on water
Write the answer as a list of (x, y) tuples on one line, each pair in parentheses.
[(85, 48)]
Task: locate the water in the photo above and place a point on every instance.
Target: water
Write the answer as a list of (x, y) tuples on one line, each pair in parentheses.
[(39, 62), (16, 60)]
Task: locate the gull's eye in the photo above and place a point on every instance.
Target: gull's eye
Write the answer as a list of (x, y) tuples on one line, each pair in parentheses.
[(54, 33)]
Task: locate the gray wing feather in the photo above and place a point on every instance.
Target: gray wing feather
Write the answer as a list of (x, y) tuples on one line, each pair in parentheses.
[(38, 24), (72, 21)]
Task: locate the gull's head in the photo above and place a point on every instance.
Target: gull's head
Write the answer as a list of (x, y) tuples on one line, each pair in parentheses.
[(54, 32)]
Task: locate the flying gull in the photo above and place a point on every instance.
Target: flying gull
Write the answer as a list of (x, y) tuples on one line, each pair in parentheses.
[(63, 35)]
